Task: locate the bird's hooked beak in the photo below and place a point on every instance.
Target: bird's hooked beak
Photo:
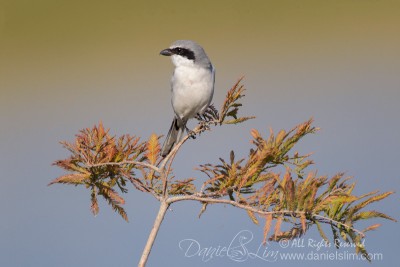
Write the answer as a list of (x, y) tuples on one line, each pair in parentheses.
[(166, 52)]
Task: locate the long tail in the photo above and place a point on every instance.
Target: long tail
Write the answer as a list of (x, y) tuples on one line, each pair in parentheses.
[(172, 136)]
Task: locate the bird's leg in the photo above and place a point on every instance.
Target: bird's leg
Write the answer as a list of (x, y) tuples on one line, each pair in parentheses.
[(188, 131)]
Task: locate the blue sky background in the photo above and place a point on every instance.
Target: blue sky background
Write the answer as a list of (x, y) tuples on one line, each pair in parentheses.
[(66, 65)]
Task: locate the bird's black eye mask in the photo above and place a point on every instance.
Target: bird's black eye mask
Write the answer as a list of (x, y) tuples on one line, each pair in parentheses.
[(184, 52)]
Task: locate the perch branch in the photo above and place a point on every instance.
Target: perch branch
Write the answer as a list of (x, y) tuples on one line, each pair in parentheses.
[(206, 199)]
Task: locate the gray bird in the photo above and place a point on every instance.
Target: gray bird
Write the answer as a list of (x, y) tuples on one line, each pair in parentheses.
[(192, 86)]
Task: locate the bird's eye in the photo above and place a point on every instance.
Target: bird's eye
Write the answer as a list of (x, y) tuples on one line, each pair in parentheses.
[(184, 52)]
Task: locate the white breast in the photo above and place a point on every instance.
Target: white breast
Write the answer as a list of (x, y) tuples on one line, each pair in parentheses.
[(192, 90)]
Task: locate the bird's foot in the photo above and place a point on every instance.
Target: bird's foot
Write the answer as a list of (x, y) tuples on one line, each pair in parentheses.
[(191, 134), (199, 117), (204, 126)]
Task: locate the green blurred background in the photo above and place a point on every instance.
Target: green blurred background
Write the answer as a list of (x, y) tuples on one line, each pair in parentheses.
[(66, 65)]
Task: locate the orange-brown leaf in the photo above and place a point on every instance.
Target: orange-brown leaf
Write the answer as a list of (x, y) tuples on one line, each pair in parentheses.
[(76, 178), (277, 230), (255, 133), (303, 222), (252, 217), (94, 207), (267, 227), (280, 136), (372, 227), (109, 192), (153, 149)]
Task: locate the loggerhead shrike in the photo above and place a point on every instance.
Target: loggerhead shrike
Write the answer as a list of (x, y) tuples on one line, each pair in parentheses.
[(192, 85)]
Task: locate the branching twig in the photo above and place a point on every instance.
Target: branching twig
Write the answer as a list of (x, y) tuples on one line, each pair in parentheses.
[(205, 199), (171, 156), (144, 164)]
